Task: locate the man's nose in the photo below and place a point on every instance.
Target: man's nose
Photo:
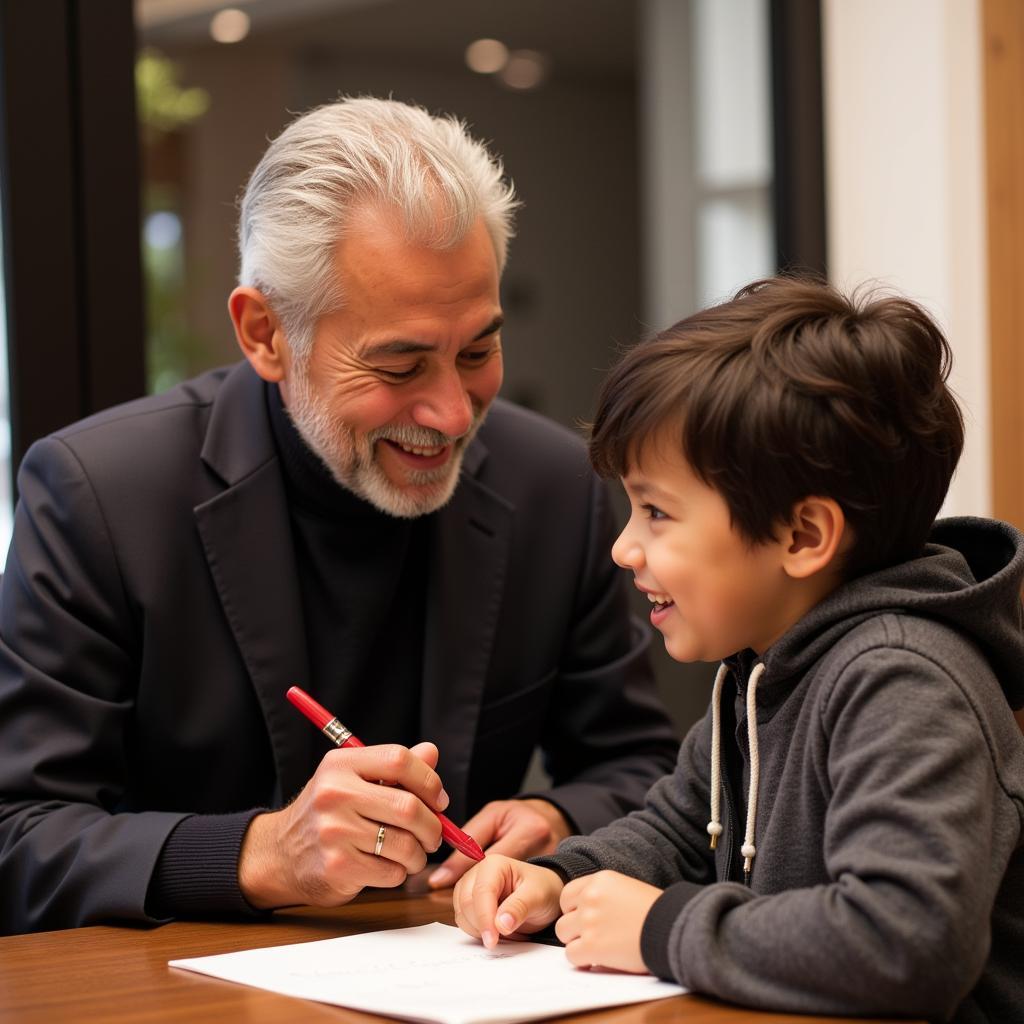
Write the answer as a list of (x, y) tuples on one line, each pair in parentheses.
[(445, 406)]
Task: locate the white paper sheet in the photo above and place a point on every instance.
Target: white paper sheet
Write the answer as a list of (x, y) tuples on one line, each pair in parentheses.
[(432, 973)]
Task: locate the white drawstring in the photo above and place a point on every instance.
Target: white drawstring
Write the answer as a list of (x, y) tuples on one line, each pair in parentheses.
[(715, 825), (748, 850)]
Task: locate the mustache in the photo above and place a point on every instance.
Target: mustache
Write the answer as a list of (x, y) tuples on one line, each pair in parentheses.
[(422, 437)]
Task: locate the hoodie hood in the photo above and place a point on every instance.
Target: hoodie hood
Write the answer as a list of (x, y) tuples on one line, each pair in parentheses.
[(968, 577)]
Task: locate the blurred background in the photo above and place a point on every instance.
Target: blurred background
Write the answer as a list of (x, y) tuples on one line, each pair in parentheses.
[(666, 152), (554, 87)]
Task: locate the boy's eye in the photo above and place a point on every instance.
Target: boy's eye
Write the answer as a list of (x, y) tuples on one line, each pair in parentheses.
[(653, 512)]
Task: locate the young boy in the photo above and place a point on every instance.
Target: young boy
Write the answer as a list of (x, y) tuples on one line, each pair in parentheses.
[(843, 831)]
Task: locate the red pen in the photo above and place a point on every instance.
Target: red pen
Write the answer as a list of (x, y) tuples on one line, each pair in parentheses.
[(342, 737)]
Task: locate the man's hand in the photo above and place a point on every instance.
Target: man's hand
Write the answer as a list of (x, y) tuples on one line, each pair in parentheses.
[(505, 897), (515, 828), (602, 917), (320, 848)]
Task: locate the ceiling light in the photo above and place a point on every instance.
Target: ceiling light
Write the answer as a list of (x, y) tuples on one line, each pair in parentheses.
[(230, 25), (486, 56)]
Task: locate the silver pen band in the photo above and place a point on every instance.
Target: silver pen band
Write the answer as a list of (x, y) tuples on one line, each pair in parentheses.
[(336, 732)]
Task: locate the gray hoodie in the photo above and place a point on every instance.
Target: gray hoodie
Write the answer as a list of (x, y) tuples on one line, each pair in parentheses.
[(887, 875)]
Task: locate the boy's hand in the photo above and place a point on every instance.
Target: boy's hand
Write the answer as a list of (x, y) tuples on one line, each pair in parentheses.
[(515, 828), (603, 915), (503, 897)]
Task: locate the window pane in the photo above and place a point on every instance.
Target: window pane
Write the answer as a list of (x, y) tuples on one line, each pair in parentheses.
[(737, 244), (732, 92)]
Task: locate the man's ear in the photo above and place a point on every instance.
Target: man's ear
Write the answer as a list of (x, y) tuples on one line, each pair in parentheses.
[(815, 536), (259, 333)]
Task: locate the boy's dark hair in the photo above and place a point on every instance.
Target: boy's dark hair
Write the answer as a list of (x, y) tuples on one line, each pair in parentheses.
[(791, 390)]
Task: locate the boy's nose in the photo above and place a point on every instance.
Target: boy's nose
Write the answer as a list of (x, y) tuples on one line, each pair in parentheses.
[(626, 553)]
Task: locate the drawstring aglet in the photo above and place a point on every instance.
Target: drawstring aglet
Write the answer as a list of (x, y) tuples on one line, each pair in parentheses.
[(714, 830), (747, 851)]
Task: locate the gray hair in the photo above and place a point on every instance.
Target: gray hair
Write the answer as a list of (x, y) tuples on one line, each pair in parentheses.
[(344, 155)]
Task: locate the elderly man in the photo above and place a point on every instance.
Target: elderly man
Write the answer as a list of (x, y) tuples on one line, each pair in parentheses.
[(334, 511)]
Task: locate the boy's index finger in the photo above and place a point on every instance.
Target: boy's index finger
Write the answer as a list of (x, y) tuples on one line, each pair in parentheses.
[(488, 891)]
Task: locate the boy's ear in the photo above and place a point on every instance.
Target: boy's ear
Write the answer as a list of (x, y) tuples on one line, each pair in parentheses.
[(259, 333), (815, 535)]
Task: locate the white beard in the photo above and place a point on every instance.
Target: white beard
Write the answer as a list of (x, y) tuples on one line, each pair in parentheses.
[(352, 458)]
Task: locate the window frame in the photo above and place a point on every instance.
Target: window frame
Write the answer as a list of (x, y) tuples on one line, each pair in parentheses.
[(70, 172)]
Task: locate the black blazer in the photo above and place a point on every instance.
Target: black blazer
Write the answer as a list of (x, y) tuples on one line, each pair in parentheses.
[(150, 623)]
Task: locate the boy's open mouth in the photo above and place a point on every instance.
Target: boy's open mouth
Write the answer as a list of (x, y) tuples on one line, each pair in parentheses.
[(660, 605), (661, 608)]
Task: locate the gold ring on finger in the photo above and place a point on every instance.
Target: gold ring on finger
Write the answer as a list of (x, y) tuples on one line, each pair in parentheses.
[(379, 845)]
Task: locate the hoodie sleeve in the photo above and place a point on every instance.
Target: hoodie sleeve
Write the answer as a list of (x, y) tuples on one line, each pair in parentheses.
[(912, 852), (663, 843)]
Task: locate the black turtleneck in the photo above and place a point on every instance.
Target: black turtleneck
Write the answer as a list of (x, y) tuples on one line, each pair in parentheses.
[(362, 576)]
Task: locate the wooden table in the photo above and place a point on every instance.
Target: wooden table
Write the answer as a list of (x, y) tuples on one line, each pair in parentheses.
[(120, 974)]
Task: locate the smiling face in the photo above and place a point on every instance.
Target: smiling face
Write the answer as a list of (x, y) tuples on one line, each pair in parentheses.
[(712, 592), (398, 381)]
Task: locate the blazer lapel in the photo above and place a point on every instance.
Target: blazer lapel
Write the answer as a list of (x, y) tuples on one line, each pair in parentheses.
[(246, 534), (469, 554)]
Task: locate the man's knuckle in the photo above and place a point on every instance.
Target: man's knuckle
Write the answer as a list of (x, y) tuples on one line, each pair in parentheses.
[(537, 830), (394, 873), (323, 798), (336, 862), (406, 846), (332, 836), (394, 757), (404, 807)]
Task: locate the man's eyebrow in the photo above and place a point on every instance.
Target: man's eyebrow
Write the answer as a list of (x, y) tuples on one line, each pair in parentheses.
[(493, 326), (404, 347), (397, 347)]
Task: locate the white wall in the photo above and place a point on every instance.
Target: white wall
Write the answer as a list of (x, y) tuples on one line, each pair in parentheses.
[(905, 182)]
